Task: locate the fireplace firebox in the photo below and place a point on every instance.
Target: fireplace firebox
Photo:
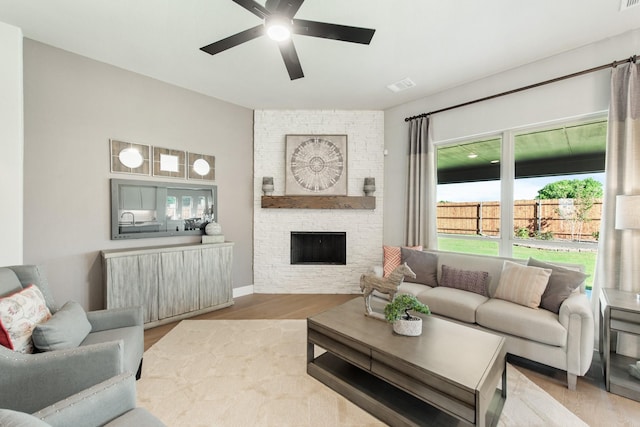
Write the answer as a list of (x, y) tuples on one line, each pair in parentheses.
[(319, 247)]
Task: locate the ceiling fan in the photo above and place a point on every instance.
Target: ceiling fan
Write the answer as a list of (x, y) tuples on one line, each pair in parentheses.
[(279, 24)]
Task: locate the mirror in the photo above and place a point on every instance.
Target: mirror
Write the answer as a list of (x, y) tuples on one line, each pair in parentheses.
[(141, 209), (131, 158)]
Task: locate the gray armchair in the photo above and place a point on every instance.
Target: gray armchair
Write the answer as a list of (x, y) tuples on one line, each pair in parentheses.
[(110, 403), (114, 346)]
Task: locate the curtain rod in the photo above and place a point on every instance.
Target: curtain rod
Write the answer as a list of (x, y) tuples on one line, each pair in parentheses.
[(531, 86)]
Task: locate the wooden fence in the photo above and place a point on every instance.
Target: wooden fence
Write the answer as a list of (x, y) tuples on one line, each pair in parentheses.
[(553, 218)]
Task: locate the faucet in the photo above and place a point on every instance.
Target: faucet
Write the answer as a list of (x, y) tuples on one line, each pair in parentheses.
[(133, 218)]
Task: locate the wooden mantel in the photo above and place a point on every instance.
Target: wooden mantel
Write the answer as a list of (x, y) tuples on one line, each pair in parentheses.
[(319, 202)]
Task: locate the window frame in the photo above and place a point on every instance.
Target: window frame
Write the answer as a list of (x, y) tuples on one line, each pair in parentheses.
[(507, 137)]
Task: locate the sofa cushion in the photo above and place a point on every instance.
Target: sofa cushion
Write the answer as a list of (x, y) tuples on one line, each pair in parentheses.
[(9, 282), (514, 319), (522, 284), (412, 288), (34, 275), (138, 417), (393, 258), (19, 314), (67, 328), (453, 303), (424, 264), (467, 280), (9, 418), (133, 338), (404, 288), (562, 282)]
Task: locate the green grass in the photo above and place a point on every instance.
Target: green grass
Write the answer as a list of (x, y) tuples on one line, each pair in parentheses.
[(468, 246), (488, 247)]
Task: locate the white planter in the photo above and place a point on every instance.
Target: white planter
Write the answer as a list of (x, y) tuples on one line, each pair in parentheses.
[(411, 328)]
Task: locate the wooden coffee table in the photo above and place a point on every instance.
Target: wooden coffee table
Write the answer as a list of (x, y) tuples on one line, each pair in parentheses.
[(447, 376)]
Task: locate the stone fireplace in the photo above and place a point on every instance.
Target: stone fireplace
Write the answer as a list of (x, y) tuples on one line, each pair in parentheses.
[(274, 228)]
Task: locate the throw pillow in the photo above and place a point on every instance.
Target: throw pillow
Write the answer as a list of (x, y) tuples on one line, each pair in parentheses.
[(424, 264), (392, 258), (467, 280), (522, 284), (19, 314), (67, 328), (562, 282)]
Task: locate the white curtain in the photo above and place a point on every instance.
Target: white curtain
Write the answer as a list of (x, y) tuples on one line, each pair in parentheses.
[(618, 263), (421, 224)]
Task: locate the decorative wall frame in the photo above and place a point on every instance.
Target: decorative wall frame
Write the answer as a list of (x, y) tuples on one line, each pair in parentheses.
[(168, 162), (316, 165), (127, 157), (201, 167)]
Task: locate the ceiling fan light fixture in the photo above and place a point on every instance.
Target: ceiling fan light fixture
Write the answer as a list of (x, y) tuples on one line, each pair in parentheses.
[(278, 23), (278, 28)]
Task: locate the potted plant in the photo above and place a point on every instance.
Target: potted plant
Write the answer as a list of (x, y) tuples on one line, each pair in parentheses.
[(397, 312)]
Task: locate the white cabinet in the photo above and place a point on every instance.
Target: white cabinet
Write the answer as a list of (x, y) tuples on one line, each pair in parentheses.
[(169, 282), (121, 272), (148, 198), (137, 198), (215, 270)]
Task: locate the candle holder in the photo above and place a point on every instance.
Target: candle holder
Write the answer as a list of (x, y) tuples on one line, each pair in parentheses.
[(369, 186), (267, 185)]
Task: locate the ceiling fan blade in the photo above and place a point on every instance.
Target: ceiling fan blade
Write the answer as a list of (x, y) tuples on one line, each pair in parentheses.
[(291, 61), (253, 7), (288, 7), (333, 31), (234, 40)]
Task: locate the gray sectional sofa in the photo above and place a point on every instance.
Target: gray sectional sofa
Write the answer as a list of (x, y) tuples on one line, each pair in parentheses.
[(562, 339)]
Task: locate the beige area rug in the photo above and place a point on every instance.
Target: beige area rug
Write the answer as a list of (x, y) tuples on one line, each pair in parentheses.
[(253, 373)]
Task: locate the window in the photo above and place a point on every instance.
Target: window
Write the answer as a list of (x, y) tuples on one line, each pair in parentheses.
[(201, 207), (469, 196), (172, 204), (187, 207), (491, 184)]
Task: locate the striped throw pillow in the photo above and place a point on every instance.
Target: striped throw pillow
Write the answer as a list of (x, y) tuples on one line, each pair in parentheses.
[(522, 284)]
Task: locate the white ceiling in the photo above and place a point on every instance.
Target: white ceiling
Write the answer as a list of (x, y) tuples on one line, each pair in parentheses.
[(437, 43)]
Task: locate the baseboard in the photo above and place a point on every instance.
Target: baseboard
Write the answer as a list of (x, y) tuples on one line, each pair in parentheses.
[(242, 291)]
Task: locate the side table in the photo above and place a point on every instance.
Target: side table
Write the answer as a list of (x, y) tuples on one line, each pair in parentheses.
[(619, 312)]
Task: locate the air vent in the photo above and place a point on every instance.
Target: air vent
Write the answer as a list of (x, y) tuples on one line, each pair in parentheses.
[(403, 84), (626, 4)]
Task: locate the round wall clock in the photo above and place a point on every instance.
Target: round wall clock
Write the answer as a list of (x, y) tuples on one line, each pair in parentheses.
[(317, 164)]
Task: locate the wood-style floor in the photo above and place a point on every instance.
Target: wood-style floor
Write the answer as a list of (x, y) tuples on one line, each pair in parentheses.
[(591, 402)]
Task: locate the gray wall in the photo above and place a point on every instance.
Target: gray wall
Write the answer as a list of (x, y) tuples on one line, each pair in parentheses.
[(11, 143), (570, 98), (73, 106)]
